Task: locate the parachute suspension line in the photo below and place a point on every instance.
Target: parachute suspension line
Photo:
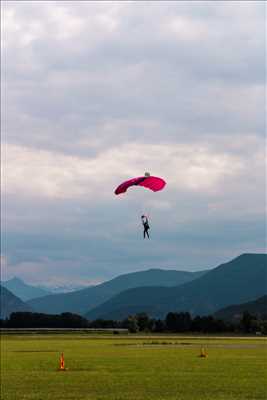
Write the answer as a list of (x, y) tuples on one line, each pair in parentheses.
[(147, 175)]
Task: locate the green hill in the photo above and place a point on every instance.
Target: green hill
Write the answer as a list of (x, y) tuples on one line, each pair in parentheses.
[(241, 280), (11, 303), (82, 300), (234, 312)]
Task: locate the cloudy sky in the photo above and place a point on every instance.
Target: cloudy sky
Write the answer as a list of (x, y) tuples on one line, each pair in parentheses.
[(94, 93)]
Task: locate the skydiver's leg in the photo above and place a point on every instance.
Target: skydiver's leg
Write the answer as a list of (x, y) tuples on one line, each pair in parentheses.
[(144, 233)]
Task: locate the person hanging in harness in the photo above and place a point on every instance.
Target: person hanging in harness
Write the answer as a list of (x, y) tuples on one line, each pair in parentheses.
[(145, 225)]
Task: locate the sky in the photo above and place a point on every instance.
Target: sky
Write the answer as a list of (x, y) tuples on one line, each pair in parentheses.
[(94, 93)]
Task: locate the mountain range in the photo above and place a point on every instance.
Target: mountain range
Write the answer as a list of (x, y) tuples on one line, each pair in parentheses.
[(11, 303), (82, 301), (241, 280), (62, 288), (257, 307), (156, 292)]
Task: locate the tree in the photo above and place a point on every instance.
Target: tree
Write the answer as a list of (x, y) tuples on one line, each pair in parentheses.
[(178, 322), (159, 326), (171, 321), (246, 322), (131, 324), (143, 322)]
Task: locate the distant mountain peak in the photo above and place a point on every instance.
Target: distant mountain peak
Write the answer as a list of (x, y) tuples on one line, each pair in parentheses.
[(22, 290), (249, 255), (15, 279)]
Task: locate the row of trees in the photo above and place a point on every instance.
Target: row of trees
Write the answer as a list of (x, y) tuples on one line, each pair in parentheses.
[(183, 322), (174, 322), (38, 320)]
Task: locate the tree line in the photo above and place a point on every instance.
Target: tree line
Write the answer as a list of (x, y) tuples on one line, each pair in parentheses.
[(181, 322)]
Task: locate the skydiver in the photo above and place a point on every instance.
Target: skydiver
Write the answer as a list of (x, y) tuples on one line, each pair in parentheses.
[(145, 225)]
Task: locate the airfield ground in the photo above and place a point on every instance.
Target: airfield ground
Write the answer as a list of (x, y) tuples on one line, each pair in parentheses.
[(127, 367)]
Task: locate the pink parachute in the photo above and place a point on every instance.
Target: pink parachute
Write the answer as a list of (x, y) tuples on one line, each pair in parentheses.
[(150, 182)]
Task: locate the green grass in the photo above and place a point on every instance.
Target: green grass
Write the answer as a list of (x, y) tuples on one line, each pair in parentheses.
[(135, 368)]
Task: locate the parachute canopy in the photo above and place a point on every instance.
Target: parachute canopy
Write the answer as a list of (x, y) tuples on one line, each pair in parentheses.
[(150, 182)]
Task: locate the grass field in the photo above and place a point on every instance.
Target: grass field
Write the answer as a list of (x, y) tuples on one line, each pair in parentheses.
[(132, 367)]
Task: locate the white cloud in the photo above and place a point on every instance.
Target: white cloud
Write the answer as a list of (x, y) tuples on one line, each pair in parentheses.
[(41, 173), (185, 29)]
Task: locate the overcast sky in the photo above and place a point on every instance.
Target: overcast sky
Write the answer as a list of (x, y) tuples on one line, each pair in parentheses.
[(94, 93)]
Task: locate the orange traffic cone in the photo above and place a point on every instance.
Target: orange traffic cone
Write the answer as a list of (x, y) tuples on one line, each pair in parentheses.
[(62, 363), (203, 353)]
